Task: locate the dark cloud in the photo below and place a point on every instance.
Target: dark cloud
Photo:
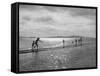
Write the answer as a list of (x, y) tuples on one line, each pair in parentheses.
[(51, 9), (40, 7), (45, 19), (85, 12), (56, 9), (73, 11), (30, 7), (89, 13), (26, 18)]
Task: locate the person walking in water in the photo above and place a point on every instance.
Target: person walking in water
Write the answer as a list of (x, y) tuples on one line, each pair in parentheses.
[(81, 41), (75, 42), (63, 43), (36, 42)]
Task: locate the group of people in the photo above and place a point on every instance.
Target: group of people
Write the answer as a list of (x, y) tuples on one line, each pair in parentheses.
[(76, 42), (35, 43)]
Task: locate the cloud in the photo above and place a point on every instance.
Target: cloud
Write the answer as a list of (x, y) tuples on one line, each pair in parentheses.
[(84, 12), (47, 21), (44, 20)]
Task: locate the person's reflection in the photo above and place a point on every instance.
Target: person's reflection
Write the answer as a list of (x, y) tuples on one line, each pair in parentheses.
[(35, 62)]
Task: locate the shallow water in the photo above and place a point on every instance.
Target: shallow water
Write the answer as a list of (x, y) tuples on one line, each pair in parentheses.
[(63, 58), (26, 43)]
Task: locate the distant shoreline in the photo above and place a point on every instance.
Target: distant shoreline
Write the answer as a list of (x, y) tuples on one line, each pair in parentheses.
[(59, 37)]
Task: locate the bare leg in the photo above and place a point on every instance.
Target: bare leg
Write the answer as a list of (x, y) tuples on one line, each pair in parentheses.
[(32, 48), (36, 47), (63, 44)]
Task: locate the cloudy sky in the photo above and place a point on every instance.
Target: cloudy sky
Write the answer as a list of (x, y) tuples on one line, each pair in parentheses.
[(47, 21)]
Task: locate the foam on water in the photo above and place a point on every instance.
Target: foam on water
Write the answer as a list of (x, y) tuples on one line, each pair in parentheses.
[(55, 39)]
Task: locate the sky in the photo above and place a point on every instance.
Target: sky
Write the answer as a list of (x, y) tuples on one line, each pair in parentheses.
[(48, 21)]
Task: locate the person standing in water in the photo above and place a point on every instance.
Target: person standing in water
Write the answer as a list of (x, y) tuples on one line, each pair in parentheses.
[(75, 42), (81, 41), (63, 43), (36, 42)]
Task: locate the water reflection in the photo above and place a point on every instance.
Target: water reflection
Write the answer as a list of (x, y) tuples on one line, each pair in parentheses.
[(58, 58), (52, 61), (35, 59)]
